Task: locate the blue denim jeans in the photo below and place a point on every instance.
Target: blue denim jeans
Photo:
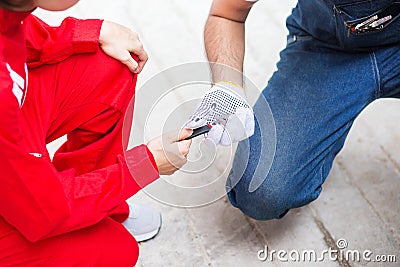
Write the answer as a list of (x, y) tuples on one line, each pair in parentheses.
[(326, 76)]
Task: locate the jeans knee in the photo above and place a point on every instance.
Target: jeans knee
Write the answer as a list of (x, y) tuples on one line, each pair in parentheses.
[(274, 198), (259, 205)]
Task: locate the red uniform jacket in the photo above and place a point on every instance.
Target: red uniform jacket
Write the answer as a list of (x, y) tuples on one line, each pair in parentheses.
[(35, 198)]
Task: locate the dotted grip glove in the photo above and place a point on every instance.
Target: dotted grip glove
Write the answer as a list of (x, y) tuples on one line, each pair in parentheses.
[(224, 107)]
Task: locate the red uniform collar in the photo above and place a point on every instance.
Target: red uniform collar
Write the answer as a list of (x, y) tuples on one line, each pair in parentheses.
[(11, 19)]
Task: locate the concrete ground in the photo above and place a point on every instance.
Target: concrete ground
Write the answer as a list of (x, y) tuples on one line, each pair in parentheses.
[(359, 208)]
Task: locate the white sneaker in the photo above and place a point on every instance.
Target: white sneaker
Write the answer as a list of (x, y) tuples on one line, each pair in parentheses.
[(143, 222)]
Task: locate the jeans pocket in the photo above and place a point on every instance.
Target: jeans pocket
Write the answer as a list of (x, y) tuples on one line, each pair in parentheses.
[(366, 25)]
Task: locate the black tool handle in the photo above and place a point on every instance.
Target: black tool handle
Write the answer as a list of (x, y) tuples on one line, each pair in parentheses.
[(199, 131)]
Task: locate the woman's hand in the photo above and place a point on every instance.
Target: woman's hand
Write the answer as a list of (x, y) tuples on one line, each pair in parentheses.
[(119, 42), (169, 151)]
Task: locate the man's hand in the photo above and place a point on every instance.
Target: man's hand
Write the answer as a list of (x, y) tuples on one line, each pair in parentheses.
[(119, 42), (169, 151), (224, 107)]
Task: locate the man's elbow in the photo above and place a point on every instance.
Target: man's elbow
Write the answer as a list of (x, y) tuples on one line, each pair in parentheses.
[(234, 10)]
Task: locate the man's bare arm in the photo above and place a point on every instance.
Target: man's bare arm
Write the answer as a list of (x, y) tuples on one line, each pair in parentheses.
[(224, 38), (232, 118)]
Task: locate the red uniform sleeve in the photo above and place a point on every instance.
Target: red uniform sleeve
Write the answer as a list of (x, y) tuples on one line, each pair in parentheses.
[(141, 163), (46, 44)]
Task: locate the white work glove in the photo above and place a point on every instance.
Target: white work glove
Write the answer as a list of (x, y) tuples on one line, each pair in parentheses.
[(225, 108)]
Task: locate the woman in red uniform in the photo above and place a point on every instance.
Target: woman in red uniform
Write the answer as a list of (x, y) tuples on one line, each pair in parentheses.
[(76, 79)]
